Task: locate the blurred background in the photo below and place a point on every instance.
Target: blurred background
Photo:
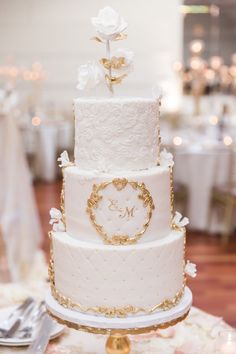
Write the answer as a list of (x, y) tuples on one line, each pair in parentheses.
[(189, 51)]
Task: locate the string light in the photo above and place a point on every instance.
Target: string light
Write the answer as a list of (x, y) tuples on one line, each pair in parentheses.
[(228, 140), (177, 140), (36, 121), (214, 120)]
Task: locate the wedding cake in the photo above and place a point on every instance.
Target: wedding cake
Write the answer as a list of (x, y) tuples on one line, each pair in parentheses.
[(117, 249)]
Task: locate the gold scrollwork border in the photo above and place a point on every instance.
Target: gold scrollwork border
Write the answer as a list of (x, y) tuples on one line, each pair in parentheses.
[(110, 311), (110, 331), (119, 184)]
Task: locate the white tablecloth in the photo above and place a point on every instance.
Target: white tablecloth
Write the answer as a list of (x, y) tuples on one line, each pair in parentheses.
[(19, 221), (200, 170)]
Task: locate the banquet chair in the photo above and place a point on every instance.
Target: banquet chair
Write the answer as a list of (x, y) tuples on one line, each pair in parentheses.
[(225, 196)]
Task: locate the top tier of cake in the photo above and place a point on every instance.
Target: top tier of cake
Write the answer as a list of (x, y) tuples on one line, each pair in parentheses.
[(113, 134)]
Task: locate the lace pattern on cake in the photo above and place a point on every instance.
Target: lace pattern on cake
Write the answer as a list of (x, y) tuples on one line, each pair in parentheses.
[(105, 136)]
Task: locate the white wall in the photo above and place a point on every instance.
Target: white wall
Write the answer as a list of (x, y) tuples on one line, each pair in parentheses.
[(57, 32)]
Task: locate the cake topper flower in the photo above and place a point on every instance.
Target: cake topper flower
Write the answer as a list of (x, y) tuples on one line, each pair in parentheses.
[(179, 220), (109, 24), (56, 220), (89, 76), (114, 67)]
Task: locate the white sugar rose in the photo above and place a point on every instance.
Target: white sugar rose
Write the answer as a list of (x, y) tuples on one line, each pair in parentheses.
[(166, 159), (89, 76), (59, 226), (191, 269), (55, 214), (64, 159), (179, 220), (109, 24)]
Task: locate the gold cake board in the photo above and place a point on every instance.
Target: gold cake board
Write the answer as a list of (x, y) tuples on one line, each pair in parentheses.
[(119, 328)]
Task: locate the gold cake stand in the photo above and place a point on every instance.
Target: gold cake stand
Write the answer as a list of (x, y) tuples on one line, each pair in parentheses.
[(118, 329)]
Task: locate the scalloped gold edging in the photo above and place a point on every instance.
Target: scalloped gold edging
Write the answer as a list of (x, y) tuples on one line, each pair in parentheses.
[(119, 184), (128, 331), (116, 311), (110, 311)]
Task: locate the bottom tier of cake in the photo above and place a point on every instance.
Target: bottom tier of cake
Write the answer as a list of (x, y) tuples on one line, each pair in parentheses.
[(118, 280)]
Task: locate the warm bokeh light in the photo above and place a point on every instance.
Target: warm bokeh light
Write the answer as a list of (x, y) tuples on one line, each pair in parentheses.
[(177, 140), (197, 46), (228, 140), (210, 74), (214, 10), (196, 63), (213, 120), (216, 62), (36, 121)]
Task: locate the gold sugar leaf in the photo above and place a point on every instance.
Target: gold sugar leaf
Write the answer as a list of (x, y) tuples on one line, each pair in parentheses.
[(117, 62), (106, 63), (97, 39), (116, 79), (120, 36)]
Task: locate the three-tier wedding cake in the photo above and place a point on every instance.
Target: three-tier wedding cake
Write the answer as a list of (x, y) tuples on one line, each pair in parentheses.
[(117, 249)]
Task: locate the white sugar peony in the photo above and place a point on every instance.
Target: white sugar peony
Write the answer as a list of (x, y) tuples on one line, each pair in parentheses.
[(89, 76), (191, 269), (166, 159), (109, 24), (179, 220), (128, 55), (64, 159), (55, 214), (56, 220), (59, 226)]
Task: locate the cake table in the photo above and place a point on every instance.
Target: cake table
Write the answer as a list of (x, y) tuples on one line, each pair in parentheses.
[(119, 328)]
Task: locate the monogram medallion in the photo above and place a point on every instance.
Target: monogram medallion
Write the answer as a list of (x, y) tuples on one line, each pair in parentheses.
[(120, 210)]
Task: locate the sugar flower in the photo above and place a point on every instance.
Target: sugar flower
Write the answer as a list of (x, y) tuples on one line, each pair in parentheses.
[(64, 159), (166, 159), (179, 220), (124, 60), (109, 24), (191, 269), (56, 220), (89, 76)]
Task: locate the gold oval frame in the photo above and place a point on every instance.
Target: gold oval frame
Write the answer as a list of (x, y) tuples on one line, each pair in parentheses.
[(119, 184)]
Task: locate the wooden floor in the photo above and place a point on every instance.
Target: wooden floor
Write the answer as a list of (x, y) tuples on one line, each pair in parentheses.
[(214, 288)]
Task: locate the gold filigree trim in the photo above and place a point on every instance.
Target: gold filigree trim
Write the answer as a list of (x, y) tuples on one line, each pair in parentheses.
[(115, 311), (119, 184), (172, 196), (62, 198), (128, 331)]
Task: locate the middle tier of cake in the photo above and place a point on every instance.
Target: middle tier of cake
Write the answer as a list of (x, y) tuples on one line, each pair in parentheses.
[(133, 205)]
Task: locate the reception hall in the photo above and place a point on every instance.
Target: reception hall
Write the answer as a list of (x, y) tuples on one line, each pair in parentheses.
[(118, 177)]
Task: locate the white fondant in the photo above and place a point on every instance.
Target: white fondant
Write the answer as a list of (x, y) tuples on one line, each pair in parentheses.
[(131, 322), (141, 275), (121, 133), (79, 186)]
